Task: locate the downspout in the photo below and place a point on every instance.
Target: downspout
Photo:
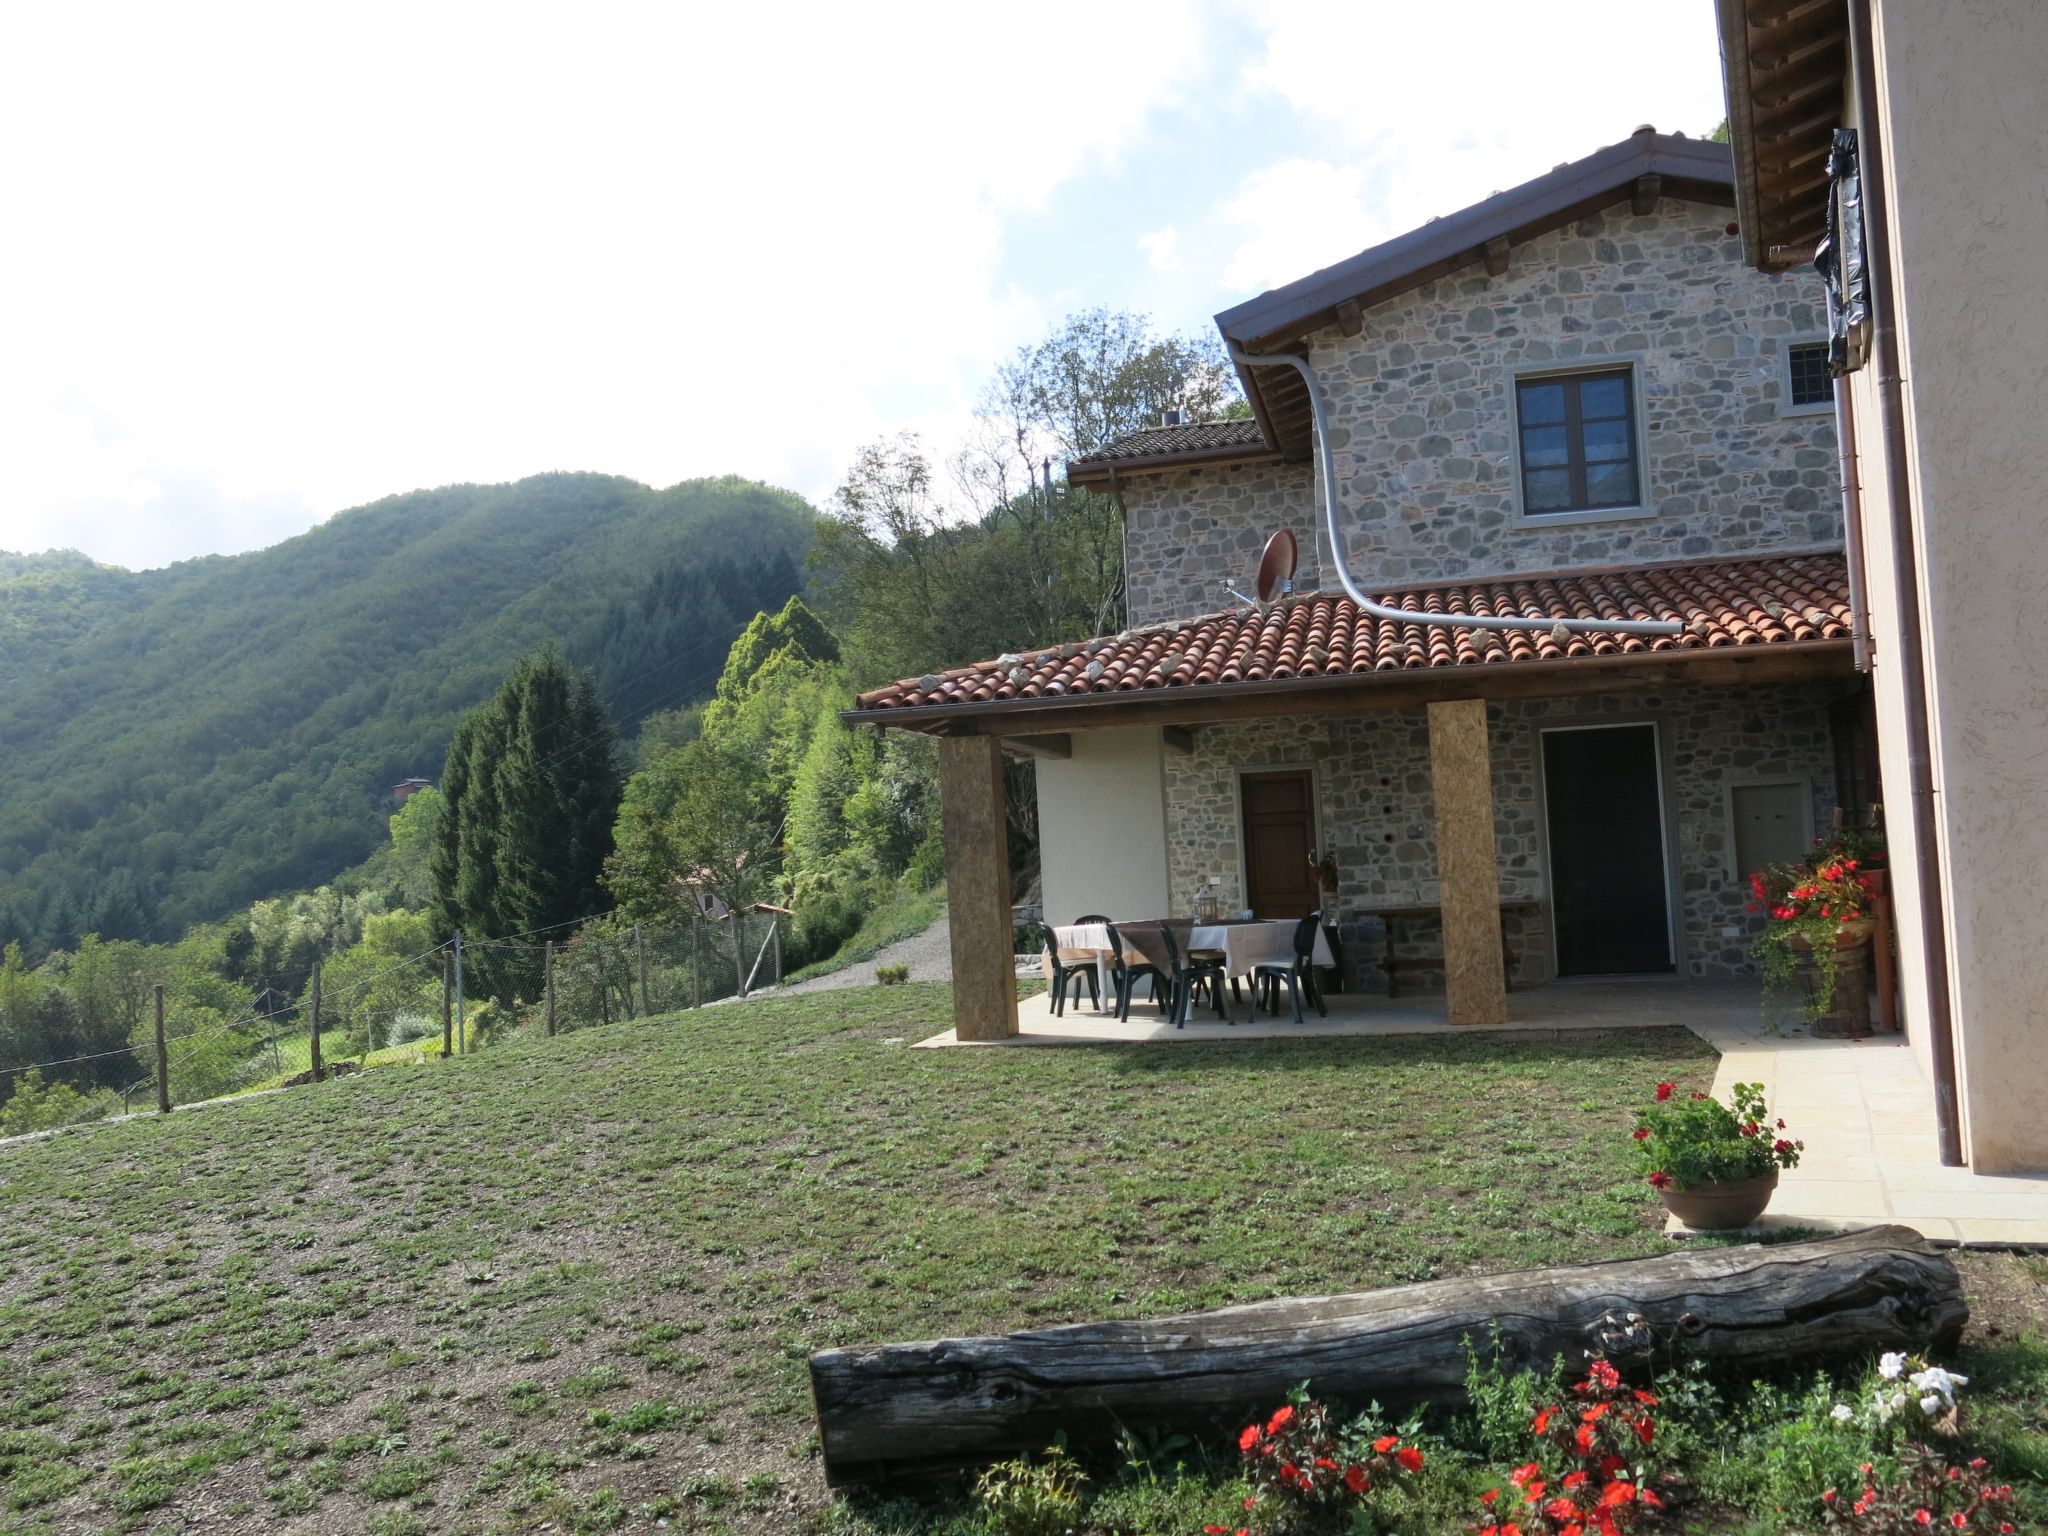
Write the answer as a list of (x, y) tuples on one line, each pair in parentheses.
[(1852, 526), (1884, 348), (1326, 461)]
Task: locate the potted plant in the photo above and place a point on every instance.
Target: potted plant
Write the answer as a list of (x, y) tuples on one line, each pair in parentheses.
[(1325, 866), (1714, 1166), (1818, 911)]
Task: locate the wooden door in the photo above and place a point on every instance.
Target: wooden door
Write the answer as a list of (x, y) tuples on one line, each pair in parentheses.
[(1279, 836), (1603, 795)]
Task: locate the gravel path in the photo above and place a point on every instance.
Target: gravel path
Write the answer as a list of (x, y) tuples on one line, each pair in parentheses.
[(929, 956)]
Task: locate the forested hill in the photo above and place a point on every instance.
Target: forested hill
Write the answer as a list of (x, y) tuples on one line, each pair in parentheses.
[(177, 743)]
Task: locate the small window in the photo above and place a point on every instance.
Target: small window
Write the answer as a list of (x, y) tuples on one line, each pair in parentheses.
[(1578, 441), (1810, 384)]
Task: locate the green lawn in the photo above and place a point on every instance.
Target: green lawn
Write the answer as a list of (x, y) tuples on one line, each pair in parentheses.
[(571, 1284)]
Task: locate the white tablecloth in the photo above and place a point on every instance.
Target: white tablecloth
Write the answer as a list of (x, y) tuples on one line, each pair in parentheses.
[(1244, 945)]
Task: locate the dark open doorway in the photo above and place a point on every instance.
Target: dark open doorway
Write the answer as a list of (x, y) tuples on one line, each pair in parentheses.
[(1610, 893), (1279, 838)]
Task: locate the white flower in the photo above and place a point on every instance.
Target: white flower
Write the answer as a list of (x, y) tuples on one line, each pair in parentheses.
[(1844, 1413), (1891, 1366), (1930, 1404)]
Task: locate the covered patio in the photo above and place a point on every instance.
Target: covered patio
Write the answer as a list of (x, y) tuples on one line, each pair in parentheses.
[(1117, 722)]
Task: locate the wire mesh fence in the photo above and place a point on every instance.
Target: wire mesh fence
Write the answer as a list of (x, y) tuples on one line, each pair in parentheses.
[(447, 1000)]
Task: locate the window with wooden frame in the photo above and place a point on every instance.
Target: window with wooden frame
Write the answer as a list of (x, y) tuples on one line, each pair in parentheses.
[(1577, 437)]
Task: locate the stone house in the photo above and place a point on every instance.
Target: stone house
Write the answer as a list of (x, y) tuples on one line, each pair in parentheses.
[(1572, 402)]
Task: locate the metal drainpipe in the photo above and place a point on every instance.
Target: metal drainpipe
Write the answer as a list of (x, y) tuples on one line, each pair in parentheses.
[(1852, 526), (1905, 554), (1327, 462)]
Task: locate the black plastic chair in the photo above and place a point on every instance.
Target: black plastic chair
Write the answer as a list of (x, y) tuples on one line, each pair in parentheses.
[(1125, 975), (1300, 975), (1189, 976), (1064, 975)]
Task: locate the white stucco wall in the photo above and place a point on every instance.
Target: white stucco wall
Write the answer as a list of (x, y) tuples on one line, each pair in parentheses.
[(1102, 826), (1965, 119)]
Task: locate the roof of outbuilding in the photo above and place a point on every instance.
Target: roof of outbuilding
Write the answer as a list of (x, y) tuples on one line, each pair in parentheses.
[(1200, 442), (1761, 601)]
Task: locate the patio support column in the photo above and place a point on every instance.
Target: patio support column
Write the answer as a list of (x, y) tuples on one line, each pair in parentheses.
[(1467, 863), (978, 888)]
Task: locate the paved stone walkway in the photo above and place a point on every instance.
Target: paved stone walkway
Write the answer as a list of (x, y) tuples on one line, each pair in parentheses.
[(1866, 1115)]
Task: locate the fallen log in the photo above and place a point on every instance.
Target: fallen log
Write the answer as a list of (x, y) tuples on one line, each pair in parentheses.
[(907, 1408)]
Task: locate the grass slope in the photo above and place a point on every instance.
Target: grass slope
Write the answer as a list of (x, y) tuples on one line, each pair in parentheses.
[(571, 1284)]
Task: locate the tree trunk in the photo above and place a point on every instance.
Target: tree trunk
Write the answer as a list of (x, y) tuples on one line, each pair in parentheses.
[(919, 1407)]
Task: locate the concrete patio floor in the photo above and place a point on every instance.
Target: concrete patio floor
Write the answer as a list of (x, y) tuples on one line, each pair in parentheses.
[(1861, 1106)]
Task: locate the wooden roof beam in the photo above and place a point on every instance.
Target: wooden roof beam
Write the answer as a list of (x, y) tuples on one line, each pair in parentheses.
[(1496, 256), (1642, 197)]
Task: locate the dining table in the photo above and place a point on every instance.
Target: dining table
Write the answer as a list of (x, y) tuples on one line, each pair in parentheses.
[(1244, 943)]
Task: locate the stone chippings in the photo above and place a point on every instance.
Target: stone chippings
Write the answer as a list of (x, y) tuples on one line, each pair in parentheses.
[(1422, 422), (1741, 603), (1375, 805)]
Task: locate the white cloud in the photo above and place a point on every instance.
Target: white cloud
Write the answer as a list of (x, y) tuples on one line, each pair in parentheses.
[(1161, 248), (1426, 111), (1302, 215), (280, 260)]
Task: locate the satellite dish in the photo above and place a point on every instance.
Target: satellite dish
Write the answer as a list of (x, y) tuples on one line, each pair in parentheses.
[(1276, 567)]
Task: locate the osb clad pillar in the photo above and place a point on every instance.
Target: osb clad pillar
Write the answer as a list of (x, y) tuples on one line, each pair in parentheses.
[(1467, 863), (978, 887)]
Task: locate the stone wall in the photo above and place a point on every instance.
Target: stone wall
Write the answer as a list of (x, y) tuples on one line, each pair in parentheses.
[(1375, 805), (1189, 531), (1423, 431)]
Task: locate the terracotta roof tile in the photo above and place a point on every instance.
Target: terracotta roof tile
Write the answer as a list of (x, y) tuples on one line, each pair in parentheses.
[(1196, 437), (1763, 601)]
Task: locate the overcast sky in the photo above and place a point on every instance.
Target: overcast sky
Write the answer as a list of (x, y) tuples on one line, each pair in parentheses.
[(264, 263)]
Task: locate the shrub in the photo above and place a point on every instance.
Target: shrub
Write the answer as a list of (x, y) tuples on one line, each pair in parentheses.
[(1926, 1494), (892, 975), (1294, 1462), (1700, 1140), (1026, 1498), (1590, 1473)]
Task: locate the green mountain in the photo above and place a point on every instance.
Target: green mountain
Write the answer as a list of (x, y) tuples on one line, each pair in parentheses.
[(180, 742)]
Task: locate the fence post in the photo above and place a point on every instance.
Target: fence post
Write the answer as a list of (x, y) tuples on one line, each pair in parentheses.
[(548, 965), (739, 949), (447, 1005), (461, 1016), (319, 1069), (163, 1058), (640, 945), (775, 933), (697, 961)]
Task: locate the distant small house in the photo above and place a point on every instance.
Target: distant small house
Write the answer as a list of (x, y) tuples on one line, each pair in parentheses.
[(405, 789)]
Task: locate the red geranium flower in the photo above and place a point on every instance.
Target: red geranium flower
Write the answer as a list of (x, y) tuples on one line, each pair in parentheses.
[(1664, 1091), (1280, 1420), (1410, 1458), (1386, 1443), (1642, 1133), (1660, 1180), (1249, 1438), (1542, 1420), (1617, 1492), (1355, 1479)]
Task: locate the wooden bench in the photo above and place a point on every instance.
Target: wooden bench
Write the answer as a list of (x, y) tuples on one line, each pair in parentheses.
[(1394, 964)]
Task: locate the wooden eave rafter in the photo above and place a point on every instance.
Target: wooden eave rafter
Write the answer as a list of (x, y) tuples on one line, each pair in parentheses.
[(1784, 63)]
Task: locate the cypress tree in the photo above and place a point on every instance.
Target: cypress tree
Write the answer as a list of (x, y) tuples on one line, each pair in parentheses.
[(530, 793)]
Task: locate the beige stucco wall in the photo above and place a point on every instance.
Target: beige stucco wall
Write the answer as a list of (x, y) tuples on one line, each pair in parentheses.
[(1102, 826), (1964, 115)]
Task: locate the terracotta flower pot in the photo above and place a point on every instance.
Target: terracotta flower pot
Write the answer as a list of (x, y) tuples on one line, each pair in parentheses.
[(1723, 1205), (1849, 933)]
